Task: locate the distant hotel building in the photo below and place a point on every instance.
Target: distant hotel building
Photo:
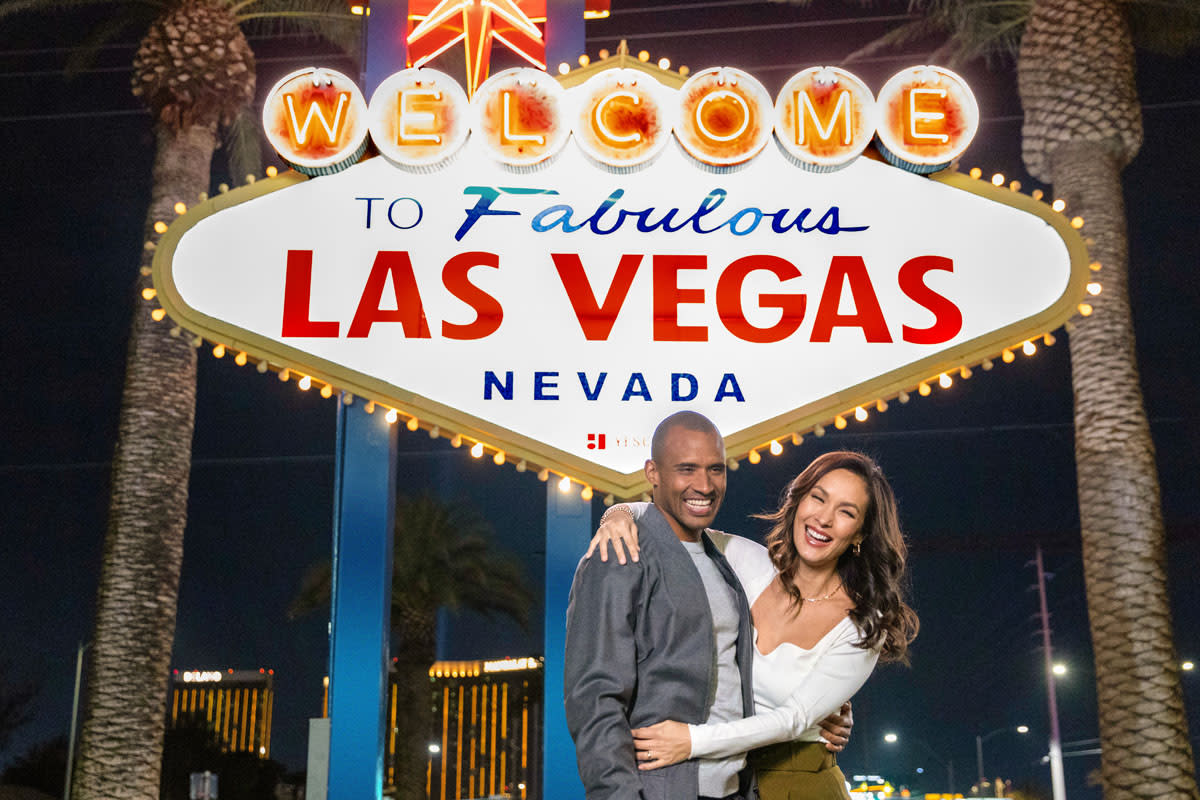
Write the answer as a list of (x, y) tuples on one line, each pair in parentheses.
[(487, 728), (237, 703)]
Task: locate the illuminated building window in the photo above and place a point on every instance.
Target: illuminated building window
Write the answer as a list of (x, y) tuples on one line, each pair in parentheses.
[(487, 729), (236, 704)]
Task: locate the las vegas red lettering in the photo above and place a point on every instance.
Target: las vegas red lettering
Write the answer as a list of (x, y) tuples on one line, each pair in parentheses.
[(846, 275)]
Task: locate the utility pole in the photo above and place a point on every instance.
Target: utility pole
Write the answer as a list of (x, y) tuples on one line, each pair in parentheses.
[(74, 719), (1057, 783)]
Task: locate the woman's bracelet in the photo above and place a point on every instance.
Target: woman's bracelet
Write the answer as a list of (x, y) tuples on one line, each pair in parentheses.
[(618, 508)]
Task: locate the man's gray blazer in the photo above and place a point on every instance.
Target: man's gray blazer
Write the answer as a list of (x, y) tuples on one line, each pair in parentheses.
[(639, 650)]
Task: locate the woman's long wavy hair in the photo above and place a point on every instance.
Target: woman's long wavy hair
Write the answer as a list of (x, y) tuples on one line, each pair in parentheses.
[(876, 579)]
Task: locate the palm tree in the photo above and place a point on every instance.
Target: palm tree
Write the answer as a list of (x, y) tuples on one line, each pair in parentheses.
[(442, 557), (195, 72), (1083, 125)]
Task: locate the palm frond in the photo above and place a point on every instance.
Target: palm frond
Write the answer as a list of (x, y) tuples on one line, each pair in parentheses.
[(916, 30), (84, 54), (443, 556), (243, 150), (1170, 27), (329, 19)]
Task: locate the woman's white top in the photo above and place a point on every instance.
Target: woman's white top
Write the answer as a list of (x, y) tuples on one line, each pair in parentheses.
[(794, 688)]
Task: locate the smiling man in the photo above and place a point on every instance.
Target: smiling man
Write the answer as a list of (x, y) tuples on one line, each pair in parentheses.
[(667, 637)]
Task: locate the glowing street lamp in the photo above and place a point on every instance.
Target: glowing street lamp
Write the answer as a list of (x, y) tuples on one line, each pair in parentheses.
[(1059, 669), (979, 740)]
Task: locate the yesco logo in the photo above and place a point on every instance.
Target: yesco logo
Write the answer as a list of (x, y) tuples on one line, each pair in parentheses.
[(824, 117)]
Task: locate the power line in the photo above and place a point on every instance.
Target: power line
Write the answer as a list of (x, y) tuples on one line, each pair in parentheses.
[(224, 461), (688, 6), (59, 72), (39, 51), (768, 26)]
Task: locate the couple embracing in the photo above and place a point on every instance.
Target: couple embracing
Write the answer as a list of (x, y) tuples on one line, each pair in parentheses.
[(706, 647)]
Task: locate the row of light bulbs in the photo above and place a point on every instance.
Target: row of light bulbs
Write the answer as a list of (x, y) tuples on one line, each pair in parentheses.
[(924, 389), (643, 56), (1093, 287), (564, 482)]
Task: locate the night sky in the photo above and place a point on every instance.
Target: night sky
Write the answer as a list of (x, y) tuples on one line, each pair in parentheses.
[(983, 472)]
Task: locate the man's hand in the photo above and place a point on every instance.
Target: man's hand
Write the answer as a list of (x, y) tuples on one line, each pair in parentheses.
[(835, 729)]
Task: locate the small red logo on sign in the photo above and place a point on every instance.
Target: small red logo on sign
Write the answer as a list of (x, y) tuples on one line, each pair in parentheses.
[(595, 441)]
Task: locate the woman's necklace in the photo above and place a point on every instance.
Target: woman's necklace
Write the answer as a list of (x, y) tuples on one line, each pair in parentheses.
[(824, 597)]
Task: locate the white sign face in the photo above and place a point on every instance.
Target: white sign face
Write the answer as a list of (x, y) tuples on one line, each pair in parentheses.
[(559, 313)]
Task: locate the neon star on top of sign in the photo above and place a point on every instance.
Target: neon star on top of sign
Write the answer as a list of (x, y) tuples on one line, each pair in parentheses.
[(477, 24)]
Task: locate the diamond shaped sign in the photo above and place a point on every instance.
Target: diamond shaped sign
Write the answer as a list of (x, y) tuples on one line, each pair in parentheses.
[(555, 313)]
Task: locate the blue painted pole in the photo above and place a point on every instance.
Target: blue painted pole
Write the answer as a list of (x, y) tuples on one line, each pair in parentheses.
[(564, 33), (568, 516), (568, 529), (364, 500), (385, 43), (364, 503)]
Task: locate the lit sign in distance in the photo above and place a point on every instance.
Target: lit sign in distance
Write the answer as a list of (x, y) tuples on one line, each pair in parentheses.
[(512, 664), (202, 676)]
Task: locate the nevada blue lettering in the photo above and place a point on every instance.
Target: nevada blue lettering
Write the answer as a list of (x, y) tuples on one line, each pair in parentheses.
[(676, 379), (685, 386), (636, 379), (588, 392), (542, 383), (729, 388), (490, 381)]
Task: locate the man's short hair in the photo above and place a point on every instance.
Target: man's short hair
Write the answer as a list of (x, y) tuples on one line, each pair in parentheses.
[(688, 420)]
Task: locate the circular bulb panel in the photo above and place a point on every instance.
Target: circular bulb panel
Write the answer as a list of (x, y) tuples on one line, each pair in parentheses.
[(725, 116), (316, 119), (419, 117), (825, 116), (927, 116), (517, 115), (622, 117)]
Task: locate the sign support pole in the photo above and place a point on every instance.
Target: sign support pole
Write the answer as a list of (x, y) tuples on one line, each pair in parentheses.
[(568, 516), (364, 502), (364, 505), (568, 530)]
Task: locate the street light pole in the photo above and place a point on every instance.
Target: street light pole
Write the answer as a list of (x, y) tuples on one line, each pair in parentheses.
[(979, 758), (1057, 781), (74, 718), (979, 740)]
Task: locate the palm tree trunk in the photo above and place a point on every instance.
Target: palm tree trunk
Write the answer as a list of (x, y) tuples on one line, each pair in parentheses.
[(120, 749), (1082, 126), (416, 654), (1143, 727)]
